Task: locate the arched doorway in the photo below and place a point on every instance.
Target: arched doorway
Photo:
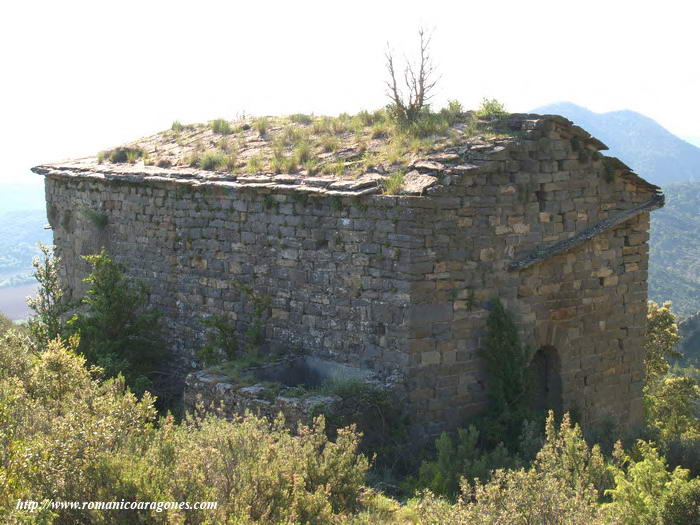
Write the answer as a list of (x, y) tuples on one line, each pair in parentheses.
[(545, 380)]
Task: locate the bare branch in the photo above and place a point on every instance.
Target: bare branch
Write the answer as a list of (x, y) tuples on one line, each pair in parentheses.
[(418, 80)]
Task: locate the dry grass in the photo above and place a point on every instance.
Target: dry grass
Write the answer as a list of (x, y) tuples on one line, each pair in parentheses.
[(343, 146)]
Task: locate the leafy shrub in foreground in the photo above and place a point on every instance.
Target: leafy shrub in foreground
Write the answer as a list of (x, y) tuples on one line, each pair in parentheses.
[(642, 489), (118, 332), (460, 458), (50, 305), (66, 435), (513, 497), (682, 507), (5, 324)]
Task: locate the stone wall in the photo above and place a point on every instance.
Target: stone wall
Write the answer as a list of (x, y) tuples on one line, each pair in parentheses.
[(399, 282), (332, 266)]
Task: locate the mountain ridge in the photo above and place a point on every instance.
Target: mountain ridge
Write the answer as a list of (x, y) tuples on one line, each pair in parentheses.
[(648, 148)]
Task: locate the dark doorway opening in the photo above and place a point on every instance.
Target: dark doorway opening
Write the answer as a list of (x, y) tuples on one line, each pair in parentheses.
[(545, 380)]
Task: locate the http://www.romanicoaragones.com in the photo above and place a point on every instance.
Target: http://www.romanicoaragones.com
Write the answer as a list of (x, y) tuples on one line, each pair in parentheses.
[(158, 506)]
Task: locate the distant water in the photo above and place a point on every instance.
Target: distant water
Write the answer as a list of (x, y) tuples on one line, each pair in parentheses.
[(13, 301)]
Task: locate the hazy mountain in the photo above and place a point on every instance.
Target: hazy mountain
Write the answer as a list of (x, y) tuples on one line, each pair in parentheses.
[(689, 330), (648, 148), (674, 264), (20, 231), (22, 220)]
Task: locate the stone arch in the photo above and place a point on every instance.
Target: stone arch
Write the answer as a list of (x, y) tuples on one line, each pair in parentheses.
[(545, 380)]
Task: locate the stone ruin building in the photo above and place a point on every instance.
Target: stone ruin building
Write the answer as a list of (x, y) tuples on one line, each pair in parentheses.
[(393, 285)]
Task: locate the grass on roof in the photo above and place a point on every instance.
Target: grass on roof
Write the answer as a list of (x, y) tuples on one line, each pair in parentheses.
[(343, 146)]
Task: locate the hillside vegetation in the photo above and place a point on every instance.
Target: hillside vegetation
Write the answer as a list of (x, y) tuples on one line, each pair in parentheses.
[(90, 439), (20, 232), (674, 263)]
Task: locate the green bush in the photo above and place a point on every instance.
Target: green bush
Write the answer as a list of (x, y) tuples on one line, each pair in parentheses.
[(513, 497), (684, 451), (256, 470), (453, 112), (221, 342), (458, 458), (682, 506), (645, 485), (491, 108), (567, 456), (507, 361), (118, 332), (5, 324), (50, 305), (302, 153), (426, 124), (56, 422), (671, 397), (378, 416), (67, 435)]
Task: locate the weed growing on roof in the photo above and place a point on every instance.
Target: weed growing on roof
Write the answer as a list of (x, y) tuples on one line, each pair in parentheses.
[(393, 183), (255, 164), (334, 168), (380, 130), (329, 143), (341, 124), (311, 166), (283, 164), (192, 160), (366, 119), (300, 118), (302, 152), (322, 126), (122, 155), (221, 126), (261, 125), (292, 135), (453, 112), (491, 108)]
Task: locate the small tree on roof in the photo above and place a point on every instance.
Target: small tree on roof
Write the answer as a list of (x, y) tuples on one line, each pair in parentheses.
[(419, 81)]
